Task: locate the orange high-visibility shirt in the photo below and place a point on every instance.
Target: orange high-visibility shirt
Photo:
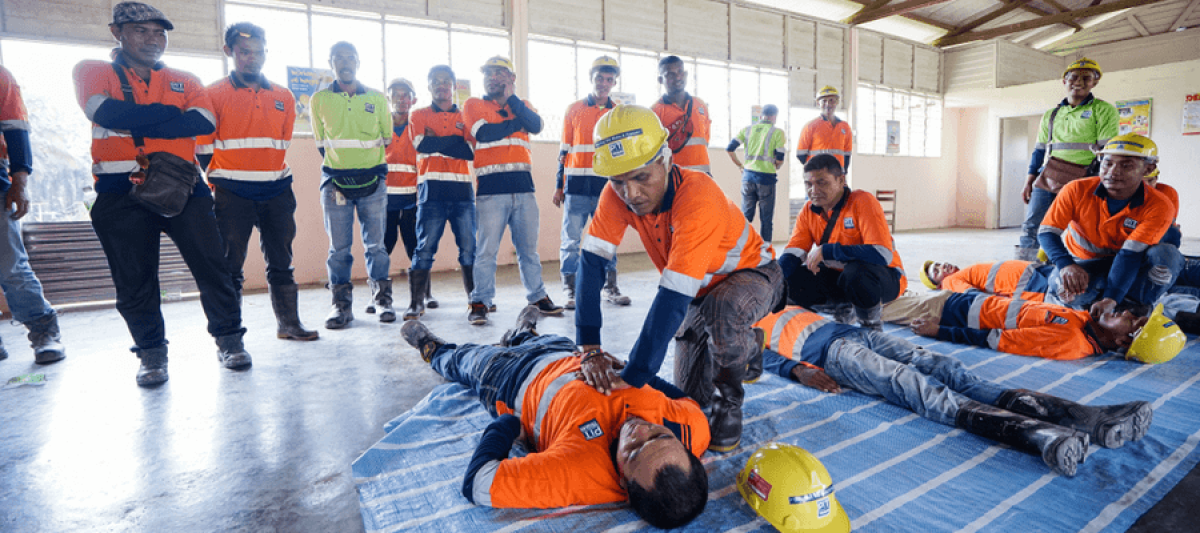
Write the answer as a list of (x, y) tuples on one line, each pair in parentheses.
[(1080, 216), (438, 167), (787, 330), (13, 115), (254, 130), (860, 223), (577, 142), (1002, 278), (402, 164), (696, 239), (694, 154), (1022, 327), (572, 426), (821, 136)]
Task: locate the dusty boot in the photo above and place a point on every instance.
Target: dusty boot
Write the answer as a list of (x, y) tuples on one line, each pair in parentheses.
[(569, 291), (1061, 448), (477, 314), (343, 298), (45, 339), (418, 336), (383, 300), (1107, 425), (611, 292), (754, 367), (468, 275), (1025, 254), (3, 352), (230, 351), (870, 317), (526, 322), (418, 281), (285, 302), (154, 366), (370, 310), (726, 418), (430, 301)]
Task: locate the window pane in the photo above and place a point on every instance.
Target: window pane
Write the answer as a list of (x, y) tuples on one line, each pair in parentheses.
[(287, 37), (774, 90), (60, 134), (916, 112), (639, 75), (404, 60), (712, 85), (552, 85), (864, 124), (468, 53), (900, 114), (933, 121), (365, 35), (743, 96), (799, 117), (208, 69)]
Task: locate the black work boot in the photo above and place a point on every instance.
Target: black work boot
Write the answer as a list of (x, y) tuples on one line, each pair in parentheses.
[(382, 295), (477, 313), (611, 292), (45, 339), (418, 336), (547, 307), (154, 366), (343, 298), (1188, 322), (468, 275), (285, 302), (725, 422), (754, 367), (1061, 448), (3, 351), (569, 290), (870, 317), (418, 281), (526, 322), (230, 351), (430, 301), (1108, 425)]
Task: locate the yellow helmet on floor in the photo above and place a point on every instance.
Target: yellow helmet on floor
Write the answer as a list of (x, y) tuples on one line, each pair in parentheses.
[(1132, 144), (606, 62), (1159, 341), (627, 138), (1084, 63), (925, 275), (791, 489), (827, 90)]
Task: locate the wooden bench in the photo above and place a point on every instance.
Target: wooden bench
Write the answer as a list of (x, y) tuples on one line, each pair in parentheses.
[(68, 259)]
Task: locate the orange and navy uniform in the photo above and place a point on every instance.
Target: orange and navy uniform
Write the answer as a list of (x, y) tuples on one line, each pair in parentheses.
[(402, 170), (1173, 237), (694, 153), (575, 155), (16, 155), (442, 170), (801, 336), (696, 239), (169, 110), (820, 136), (1080, 225), (1019, 327), (254, 129), (1010, 279), (861, 234), (499, 134), (573, 427)]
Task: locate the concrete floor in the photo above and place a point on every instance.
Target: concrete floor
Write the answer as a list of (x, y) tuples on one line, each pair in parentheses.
[(270, 448)]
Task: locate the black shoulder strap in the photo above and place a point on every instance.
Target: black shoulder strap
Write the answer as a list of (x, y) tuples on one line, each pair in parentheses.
[(127, 89), (1052, 115), (833, 217)]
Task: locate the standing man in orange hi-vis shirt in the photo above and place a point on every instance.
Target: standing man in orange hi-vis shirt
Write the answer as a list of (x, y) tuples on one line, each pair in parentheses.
[(841, 252), (718, 276), (686, 117), (578, 187), (22, 289), (139, 107), (826, 134), (251, 182), (640, 444)]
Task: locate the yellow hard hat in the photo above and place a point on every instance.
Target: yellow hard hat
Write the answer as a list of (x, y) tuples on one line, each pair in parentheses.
[(497, 61), (1159, 341), (606, 62), (925, 275), (827, 90), (1042, 257), (627, 138), (791, 489), (1131, 144), (1084, 63)]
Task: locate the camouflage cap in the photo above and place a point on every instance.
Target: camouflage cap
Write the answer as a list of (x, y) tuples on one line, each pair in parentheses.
[(126, 12)]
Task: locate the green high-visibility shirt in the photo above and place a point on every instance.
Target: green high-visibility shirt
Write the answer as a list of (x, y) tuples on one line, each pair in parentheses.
[(764, 145), (354, 129), (1078, 130)]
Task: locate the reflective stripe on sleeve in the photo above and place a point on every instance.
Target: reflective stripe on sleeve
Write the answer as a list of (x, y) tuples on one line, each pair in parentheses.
[(702, 168), (993, 339), (799, 253), (93, 103), (1039, 146), (1014, 311), (1050, 229), (680, 283), (974, 311), (481, 490), (1134, 246), (883, 251), (475, 127), (208, 115), (1082, 242), (14, 125), (598, 246)]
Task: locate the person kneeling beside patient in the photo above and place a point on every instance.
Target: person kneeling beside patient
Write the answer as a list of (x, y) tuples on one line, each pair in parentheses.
[(638, 444), (825, 355)]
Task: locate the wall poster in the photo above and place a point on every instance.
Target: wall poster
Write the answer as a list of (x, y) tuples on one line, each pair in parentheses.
[(1134, 116), (304, 82)]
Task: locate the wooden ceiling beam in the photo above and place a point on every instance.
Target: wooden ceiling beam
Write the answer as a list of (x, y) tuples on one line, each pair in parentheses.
[(1061, 9), (993, 15), (1040, 22), (915, 17), (899, 8), (1184, 16)]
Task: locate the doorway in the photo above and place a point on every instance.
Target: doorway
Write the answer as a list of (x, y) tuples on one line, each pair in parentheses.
[(1017, 137)]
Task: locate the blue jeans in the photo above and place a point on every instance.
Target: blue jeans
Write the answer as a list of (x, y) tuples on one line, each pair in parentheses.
[(339, 224), (431, 224), (1189, 276), (764, 197), (577, 210), (520, 212), (1035, 211), (1181, 301), (930, 384), (21, 287), (1157, 273), (496, 373)]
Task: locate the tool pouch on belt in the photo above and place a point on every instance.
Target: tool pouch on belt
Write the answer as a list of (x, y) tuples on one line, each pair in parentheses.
[(680, 131), (168, 183), (353, 187), (1058, 173)]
